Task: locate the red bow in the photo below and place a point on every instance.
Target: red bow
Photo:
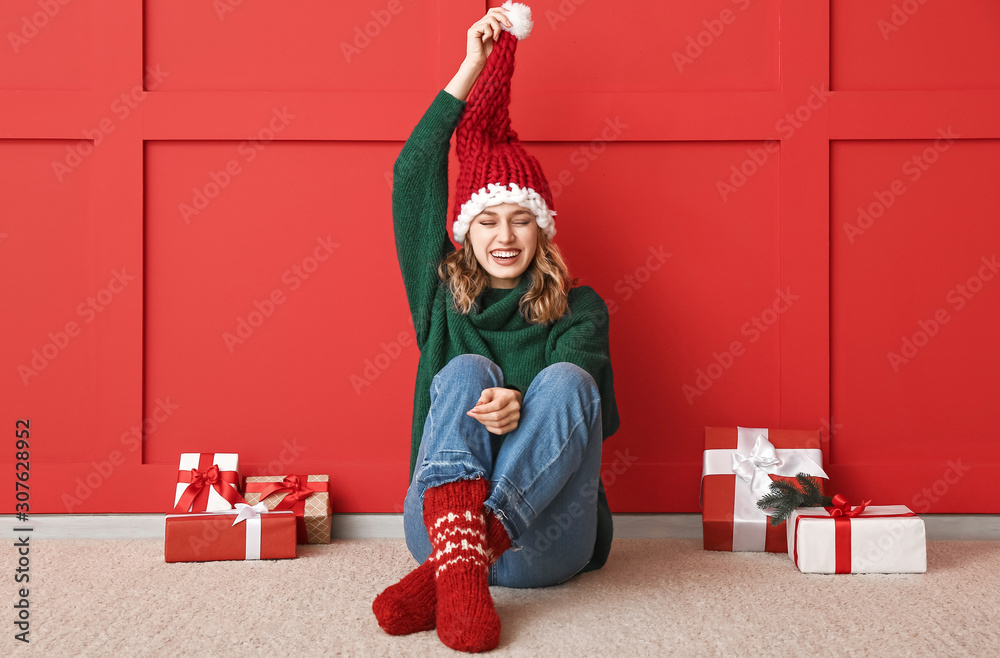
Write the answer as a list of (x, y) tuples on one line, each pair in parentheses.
[(297, 487), (201, 482), (200, 479), (842, 507)]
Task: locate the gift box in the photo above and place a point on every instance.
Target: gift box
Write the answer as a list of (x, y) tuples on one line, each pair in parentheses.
[(229, 535), (862, 539), (207, 482), (306, 495), (739, 464)]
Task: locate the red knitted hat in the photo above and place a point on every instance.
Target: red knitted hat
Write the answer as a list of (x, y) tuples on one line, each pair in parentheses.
[(495, 168)]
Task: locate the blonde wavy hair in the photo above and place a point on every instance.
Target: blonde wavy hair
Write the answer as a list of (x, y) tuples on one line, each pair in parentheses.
[(546, 300)]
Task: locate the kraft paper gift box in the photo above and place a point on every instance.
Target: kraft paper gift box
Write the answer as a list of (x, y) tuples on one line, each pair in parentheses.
[(862, 539), (207, 482), (306, 495), (248, 533), (738, 466)]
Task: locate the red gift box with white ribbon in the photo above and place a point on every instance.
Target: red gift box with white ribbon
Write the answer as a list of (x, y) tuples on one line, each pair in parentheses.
[(857, 539), (739, 464), (207, 482), (246, 533)]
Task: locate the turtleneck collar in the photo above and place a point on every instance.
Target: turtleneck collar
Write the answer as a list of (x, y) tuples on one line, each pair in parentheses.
[(500, 304)]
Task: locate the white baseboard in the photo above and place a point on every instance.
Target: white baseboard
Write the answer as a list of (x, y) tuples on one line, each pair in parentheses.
[(940, 527)]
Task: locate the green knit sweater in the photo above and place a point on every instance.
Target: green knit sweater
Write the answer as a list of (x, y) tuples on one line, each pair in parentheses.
[(495, 329)]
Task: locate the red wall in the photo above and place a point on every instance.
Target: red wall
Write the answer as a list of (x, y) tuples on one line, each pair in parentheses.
[(117, 116)]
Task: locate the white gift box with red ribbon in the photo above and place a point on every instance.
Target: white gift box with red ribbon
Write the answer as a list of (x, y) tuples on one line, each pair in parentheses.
[(207, 482), (861, 539)]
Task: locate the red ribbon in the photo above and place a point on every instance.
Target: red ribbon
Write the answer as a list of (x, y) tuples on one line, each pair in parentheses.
[(841, 512), (200, 482), (297, 487), (842, 507)]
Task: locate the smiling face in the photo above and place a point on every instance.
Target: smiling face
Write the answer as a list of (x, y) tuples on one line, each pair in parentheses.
[(499, 231)]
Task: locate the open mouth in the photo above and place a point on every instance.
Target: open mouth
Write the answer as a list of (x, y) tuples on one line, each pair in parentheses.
[(508, 257)]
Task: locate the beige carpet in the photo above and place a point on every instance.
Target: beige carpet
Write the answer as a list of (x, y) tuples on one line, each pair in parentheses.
[(654, 597)]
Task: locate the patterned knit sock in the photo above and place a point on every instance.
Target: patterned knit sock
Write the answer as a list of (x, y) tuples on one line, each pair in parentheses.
[(497, 539), (410, 605), (456, 525)]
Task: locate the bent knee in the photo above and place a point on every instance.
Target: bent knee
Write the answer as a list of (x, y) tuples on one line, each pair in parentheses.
[(569, 376), (564, 370)]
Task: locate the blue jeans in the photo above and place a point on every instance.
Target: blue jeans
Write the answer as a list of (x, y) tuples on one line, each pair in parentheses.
[(543, 475)]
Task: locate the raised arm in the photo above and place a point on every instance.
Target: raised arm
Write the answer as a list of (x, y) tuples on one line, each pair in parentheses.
[(420, 179), (420, 206)]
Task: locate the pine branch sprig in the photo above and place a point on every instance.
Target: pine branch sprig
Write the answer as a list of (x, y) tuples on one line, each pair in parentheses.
[(785, 496)]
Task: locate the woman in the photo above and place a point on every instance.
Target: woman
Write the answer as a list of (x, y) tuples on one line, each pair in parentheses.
[(514, 392)]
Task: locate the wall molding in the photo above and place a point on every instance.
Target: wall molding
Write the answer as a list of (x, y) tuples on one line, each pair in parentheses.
[(940, 527)]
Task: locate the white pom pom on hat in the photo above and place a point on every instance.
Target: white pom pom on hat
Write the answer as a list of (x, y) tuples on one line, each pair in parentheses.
[(520, 18)]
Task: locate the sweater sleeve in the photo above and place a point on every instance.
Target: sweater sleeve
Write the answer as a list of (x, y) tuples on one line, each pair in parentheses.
[(420, 206), (581, 338)]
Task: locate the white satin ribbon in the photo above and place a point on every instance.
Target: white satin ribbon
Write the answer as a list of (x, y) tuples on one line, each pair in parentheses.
[(754, 458), (251, 514), (245, 511)]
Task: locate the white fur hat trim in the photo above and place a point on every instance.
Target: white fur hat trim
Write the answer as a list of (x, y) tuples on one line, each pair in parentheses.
[(497, 194)]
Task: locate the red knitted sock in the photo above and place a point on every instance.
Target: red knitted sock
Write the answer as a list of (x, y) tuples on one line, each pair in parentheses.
[(409, 606), (497, 538), (453, 514)]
